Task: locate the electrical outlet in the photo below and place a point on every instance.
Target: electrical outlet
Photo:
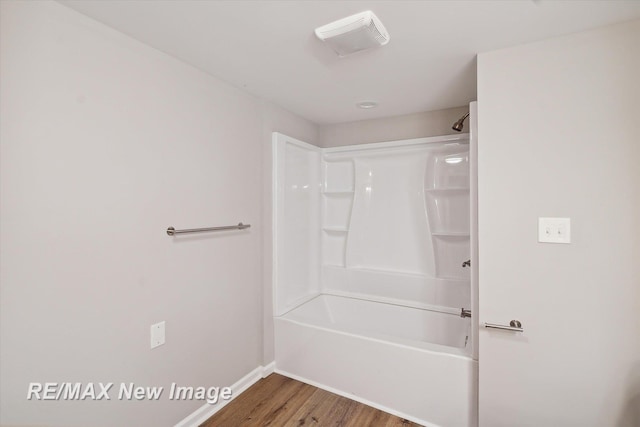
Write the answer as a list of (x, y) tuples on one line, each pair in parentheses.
[(157, 334), (554, 230)]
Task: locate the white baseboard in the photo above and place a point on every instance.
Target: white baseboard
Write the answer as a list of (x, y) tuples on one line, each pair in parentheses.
[(204, 412), (269, 369), (356, 398)]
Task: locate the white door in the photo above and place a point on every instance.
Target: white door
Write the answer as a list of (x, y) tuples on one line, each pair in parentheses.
[(502, 348), (506, 371)]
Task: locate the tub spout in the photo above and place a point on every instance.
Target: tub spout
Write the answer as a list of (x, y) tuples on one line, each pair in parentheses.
[(464, 312)]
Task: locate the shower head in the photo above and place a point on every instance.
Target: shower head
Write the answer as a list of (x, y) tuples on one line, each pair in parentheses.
[(457, 126)]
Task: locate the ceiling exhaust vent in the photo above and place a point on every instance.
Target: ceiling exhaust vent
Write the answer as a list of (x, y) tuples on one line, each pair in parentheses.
[(354, 33)]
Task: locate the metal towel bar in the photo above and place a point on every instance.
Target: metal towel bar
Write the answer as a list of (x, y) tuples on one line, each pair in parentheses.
[(514, 326), (172, 231)]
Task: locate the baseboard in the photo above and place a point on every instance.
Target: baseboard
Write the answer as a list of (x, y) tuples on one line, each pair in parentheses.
[(204, 412), (356, 398), (269, 369)]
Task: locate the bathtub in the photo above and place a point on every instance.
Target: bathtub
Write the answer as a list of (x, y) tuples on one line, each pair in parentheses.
[(410, 362)]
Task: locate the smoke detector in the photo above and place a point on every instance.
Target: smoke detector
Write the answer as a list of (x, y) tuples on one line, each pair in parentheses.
[(354, 33)]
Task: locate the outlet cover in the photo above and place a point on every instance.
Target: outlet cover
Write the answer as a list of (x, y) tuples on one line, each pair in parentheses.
[(157, 334)]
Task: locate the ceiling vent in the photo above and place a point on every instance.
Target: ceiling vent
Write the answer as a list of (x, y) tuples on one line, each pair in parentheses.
[(354, 33)]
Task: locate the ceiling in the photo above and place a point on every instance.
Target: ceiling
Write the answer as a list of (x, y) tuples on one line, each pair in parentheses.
[(269, 49)]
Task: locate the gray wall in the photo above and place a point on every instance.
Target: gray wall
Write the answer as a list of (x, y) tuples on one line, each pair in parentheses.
[(429, 123), (558, 137), (105, 143)]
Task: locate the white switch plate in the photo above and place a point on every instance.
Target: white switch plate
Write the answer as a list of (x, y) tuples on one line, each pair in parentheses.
[(157, 334), (554, 230)]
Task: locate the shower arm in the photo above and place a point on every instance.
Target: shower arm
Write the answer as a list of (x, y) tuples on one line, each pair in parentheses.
[(457, 126)]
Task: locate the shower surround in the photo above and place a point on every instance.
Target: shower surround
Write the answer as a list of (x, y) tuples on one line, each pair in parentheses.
[(371, 272)]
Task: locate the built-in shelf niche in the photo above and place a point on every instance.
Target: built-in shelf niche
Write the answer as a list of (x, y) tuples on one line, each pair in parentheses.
[(337, 210), (447, 205), (445, 190), (335, 229), (449, 234), (333, 248), (337, 191), (448, 169), (451, 252), (448, 211)]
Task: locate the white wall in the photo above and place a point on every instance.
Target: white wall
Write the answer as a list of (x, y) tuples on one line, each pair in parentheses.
[(105, 143), (408, 126), (558, 136)]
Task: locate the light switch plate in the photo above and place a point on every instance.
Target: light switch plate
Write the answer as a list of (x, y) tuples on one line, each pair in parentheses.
[(157, 334), (554, 230)]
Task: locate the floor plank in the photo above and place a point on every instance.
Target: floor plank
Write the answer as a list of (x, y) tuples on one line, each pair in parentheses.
[(279, 401)]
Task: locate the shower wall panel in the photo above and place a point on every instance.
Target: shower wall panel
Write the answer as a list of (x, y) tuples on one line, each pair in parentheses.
[(385, 221), (388, 228), (297, 220), (395, 222)]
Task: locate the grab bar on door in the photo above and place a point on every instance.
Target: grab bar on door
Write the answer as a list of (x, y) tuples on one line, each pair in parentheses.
[(514, 325)]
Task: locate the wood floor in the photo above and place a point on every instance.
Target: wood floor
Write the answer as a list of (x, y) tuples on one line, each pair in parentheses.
[(279, 401)]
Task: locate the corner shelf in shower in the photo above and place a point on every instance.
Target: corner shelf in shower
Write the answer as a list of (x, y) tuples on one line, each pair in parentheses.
[(450, 238), (450, 234), (446, 189), (337, 192), (333, 246), (337, 203), (335, 229)]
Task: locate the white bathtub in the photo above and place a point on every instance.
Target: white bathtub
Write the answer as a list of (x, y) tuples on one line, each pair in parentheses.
[(410, 362)]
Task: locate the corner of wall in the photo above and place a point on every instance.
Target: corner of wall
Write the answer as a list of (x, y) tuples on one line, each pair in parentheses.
[(408, 126)]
